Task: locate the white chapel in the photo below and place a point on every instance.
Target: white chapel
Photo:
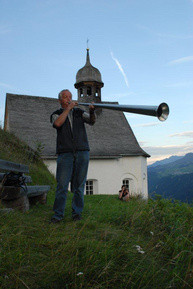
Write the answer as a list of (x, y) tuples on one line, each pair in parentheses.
[(115, 155)]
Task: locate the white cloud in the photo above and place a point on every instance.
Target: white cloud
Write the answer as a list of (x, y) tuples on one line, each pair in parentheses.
[(173, 149), (164, 35), (183, 134), (121, 69), (162, 152), (13, 89), (181, 60), (5, 85), (145, 124), (188, 121)]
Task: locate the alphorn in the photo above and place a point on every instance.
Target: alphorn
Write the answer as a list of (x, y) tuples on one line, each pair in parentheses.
[(161, 111)]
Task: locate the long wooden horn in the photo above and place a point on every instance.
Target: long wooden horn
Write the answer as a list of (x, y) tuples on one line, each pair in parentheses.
[(161, 111)]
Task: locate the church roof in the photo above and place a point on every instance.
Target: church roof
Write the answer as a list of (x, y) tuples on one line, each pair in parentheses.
[(88, 72), (28, 117)]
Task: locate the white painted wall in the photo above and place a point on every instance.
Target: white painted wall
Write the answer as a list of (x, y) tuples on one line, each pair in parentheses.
[(51, 165), (111, 172), (108, 174)]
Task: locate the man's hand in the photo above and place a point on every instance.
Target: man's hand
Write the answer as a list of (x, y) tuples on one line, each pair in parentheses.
[(72, 104), (62, 117), (91, 108)]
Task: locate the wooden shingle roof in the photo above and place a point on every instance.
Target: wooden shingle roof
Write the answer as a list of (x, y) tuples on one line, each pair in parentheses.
[(28, 117)]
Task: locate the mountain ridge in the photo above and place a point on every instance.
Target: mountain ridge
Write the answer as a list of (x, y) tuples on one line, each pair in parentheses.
[(165, 161), (172, 180), (179, 166)]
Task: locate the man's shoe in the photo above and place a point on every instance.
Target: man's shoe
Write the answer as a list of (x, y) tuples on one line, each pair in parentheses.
[(76, 218), (54, 221)]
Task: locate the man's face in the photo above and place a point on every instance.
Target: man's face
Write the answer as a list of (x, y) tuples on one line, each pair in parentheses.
[(66, 98)]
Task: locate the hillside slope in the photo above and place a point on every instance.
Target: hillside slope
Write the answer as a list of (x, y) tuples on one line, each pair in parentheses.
[(135, 244), (117, 244), (172, 180), (12, 149)]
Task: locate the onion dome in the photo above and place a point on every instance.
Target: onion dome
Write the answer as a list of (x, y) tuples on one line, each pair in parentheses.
[(88, 72)]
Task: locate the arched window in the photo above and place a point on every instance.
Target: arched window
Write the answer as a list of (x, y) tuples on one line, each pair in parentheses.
[(89, 91), (126, 183)]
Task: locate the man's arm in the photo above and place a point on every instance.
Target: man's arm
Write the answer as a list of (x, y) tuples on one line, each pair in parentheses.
[(62, 117), (90, 117)]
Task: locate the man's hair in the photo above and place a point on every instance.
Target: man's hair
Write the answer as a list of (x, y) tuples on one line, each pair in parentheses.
[(60, 93)]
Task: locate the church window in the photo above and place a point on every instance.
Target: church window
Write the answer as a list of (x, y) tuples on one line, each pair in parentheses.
[(126, 183), (89, 188)]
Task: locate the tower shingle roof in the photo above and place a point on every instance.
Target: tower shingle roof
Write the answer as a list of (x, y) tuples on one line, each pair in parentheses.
[(88, 72)]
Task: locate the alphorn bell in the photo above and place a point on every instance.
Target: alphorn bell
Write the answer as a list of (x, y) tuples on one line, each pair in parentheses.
[(161, 111)]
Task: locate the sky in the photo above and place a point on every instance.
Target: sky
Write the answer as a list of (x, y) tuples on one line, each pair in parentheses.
[(143, 49)]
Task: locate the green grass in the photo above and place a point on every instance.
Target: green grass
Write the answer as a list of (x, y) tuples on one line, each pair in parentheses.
[(139, 244), (99, 251)]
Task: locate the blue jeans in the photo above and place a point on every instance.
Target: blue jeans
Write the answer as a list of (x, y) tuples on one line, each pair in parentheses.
[(71, 167)]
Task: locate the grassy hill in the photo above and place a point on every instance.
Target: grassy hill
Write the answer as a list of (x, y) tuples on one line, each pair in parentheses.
[(139, 244)]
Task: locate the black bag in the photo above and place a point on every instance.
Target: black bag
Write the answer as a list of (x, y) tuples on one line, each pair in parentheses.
[(14, 180)]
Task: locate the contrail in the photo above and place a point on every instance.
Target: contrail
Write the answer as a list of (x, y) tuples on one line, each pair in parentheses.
[(121, 69)]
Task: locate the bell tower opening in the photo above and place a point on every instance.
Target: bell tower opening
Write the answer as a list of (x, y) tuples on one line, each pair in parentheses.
[(89, 91)]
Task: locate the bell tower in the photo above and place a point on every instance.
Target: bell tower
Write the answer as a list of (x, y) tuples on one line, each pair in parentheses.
[(89, 82)]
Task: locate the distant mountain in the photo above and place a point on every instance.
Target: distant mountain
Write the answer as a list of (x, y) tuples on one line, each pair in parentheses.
[(182, 165), (172, 180), (166, 161)]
